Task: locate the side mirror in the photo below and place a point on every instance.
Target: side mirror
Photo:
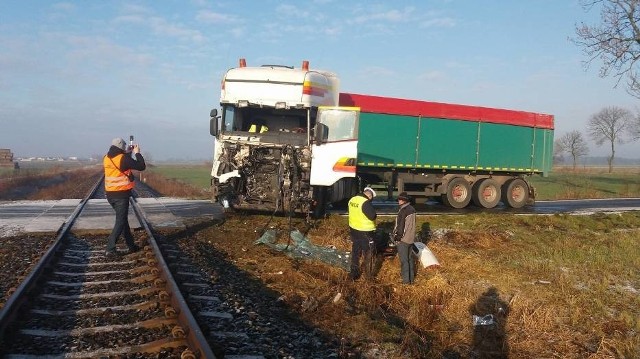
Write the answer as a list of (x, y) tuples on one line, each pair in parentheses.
[(213, 126), (321, 133)]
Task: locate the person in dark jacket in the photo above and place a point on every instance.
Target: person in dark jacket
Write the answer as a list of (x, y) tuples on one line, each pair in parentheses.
[(362, 225), (404, 233), (118, 183)]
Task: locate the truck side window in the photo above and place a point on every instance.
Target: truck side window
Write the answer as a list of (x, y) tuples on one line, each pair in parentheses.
[(229, 119), (341, 125)]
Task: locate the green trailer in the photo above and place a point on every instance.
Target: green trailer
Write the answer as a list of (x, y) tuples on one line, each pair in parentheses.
[(456, 153)]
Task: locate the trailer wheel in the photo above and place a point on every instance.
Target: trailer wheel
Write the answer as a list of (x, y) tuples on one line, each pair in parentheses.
[(458, 193), (486, 193), (515, 193)]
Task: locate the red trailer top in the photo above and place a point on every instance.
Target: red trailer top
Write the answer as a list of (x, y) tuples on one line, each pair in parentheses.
[(396, 106)]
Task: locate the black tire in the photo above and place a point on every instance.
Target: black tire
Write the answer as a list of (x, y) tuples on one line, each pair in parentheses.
[(515, 193), (486, 193), (458, 193), (320, 208)]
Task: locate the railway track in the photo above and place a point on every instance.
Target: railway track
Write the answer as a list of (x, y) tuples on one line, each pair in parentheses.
[(77, 303)]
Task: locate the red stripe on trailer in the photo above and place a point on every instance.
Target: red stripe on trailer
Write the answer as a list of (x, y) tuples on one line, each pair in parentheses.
[(396, 106)]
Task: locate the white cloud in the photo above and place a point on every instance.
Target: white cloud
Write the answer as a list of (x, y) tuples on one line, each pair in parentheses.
[(200, 3), (238, 32), (332, 30), (211, 17), (438, 22), (135, 9), (104, 52), (290, 11), (64, 6), (129, 19), (394, 16), (161, 26), (376, 71), (432, 76)]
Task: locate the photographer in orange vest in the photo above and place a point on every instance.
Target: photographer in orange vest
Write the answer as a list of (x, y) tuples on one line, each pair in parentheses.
[(118, 183)]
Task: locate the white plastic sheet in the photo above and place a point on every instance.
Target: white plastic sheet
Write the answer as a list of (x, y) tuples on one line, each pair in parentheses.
[(426, 257)]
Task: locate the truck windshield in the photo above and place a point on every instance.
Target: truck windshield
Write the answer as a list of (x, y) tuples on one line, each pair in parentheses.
[(264, 119), (341, 124)]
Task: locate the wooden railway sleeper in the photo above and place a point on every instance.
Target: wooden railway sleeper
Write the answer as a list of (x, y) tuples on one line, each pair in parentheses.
[(145, 268)]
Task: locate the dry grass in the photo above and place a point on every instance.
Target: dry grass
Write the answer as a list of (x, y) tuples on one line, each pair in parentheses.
[(558, 286), (49, 183)]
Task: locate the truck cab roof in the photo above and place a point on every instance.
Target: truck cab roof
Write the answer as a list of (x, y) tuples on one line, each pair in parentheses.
[(279, 86)]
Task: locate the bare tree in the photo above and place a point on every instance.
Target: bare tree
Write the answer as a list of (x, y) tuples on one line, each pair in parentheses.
[(557, 153), (616, 41), (574, 144), (609, 125), (634, 129)]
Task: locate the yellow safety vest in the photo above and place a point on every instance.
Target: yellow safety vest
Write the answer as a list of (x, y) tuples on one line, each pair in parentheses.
[(357, 219), (114, 179), (263, 128)]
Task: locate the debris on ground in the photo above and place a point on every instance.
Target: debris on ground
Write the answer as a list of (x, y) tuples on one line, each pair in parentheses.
[(299, 246)]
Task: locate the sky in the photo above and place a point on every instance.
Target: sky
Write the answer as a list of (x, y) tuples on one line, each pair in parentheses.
[(75, 74)]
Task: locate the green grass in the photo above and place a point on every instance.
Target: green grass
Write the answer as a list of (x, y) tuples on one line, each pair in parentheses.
[(198, 175), (587, 183), (561, 183)]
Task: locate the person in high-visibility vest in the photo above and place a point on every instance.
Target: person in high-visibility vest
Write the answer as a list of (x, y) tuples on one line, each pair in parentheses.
[(362, 225), (118, 183)]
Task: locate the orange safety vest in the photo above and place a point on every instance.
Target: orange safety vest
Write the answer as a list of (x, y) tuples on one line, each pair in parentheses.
[(114, 178)]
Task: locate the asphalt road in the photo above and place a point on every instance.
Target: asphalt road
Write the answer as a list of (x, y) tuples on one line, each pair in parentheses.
[(583, 206)]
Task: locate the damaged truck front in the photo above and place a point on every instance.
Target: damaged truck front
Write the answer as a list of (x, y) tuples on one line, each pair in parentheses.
[(262, 151)]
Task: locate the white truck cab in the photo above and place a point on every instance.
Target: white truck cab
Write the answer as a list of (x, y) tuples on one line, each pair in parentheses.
[(263, 137)]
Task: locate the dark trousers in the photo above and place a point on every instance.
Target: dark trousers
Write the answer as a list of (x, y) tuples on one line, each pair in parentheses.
[(121, 206), (407, 263), (362, 245)]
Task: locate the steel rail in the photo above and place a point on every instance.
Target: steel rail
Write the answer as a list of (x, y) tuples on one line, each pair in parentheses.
[(195, 337), (17, 299)]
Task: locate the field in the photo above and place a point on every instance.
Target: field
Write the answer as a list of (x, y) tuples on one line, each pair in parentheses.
[(196, 175), (557, 286), (563, 183)]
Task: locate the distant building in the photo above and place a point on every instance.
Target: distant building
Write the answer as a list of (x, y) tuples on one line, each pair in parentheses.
[(6, 158)]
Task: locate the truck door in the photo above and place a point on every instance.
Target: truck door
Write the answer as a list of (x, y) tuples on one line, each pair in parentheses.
[(334, 148)]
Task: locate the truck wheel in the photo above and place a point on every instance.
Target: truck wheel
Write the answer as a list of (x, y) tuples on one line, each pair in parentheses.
[(486, 193), (458, 193), (320, 207), (515, 193)]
